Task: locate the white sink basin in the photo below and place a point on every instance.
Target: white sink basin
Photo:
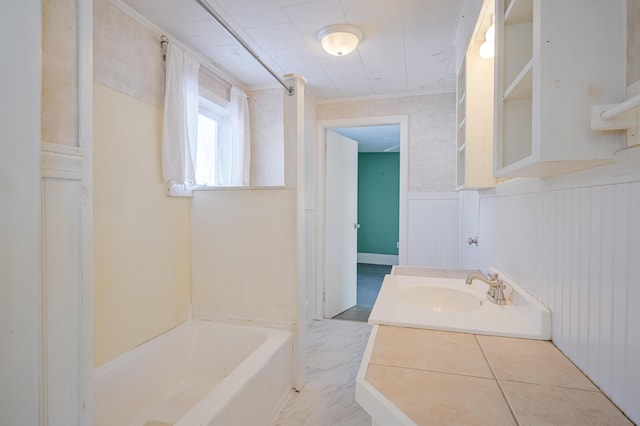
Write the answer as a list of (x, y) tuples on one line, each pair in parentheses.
[(451, 305), (439, 299)]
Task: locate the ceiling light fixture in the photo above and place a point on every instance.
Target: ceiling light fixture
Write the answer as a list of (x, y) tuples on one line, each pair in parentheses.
[(340, 39)]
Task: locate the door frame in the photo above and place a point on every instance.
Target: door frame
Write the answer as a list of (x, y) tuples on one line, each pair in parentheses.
[(321, 131)]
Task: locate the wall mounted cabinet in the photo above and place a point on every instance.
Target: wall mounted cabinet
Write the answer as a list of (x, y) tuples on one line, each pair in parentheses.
[(475, 111), (554, 60)]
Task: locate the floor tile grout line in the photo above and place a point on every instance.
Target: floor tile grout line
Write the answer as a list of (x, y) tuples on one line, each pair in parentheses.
[(432, 371), (598, 391), (502, 392)]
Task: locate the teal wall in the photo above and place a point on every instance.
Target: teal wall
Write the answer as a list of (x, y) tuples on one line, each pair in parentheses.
[(378, 202)]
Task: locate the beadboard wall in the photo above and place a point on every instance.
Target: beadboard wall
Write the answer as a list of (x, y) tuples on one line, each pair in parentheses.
[(433, 223), (573, 242)]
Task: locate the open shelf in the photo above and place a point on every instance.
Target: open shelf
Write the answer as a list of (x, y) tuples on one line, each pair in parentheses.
[(518, 49), (516, 132), (521, 86), (514, 140), (518, 12)]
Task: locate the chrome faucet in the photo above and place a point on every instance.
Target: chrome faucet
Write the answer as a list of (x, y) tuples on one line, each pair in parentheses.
[(496, 287)]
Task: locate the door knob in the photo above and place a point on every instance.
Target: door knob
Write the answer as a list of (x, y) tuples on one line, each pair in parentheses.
[(356, 226)]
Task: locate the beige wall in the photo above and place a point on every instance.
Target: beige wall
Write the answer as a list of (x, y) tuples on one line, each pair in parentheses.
[(432, 155), (141, 236)]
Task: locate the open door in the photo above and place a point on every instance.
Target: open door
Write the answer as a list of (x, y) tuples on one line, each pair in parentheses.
[(341, 233)]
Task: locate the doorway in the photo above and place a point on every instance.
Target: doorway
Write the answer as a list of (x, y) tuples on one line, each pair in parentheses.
[(369, 281), (375, 137)]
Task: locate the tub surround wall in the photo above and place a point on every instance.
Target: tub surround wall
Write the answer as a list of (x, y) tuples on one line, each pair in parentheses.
[(432, 134), (142, 248), (243, 246), (142, 251), (142, 257)]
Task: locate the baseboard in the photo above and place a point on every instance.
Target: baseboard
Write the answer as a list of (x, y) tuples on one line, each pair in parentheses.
[(378, 259)]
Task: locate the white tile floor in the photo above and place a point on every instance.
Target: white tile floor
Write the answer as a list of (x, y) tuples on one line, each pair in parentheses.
[(334, 352)]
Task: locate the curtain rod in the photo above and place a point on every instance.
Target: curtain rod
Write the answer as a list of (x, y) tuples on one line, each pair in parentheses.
[(221, 21), (206, 65)]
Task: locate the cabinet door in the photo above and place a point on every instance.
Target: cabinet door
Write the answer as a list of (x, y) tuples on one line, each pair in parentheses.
[(549, 74)]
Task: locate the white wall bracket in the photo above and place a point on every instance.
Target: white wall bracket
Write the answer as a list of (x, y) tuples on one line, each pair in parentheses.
[(622, 116)]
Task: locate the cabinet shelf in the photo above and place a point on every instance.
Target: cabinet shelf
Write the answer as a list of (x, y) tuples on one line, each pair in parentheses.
[(518, 12), (521, 86)]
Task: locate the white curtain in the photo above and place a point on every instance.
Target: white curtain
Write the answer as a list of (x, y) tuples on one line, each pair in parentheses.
[(240, 138), (180, 124)]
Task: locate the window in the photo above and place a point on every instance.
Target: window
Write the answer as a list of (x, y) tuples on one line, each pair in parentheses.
[(205, 139), (212, 141)]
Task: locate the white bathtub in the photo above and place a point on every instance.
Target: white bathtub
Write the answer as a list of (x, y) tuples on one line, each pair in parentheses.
[(201, 373)]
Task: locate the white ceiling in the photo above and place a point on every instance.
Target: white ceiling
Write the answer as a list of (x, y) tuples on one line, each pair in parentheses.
[(408, 45)]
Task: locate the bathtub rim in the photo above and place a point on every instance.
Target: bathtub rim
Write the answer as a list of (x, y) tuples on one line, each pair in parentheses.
[(192, 322), (274, 338)]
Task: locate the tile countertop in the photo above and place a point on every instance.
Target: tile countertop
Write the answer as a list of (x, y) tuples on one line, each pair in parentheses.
[(440, 377)]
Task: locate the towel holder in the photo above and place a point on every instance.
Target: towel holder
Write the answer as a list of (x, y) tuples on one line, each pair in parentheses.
[(622, 116)]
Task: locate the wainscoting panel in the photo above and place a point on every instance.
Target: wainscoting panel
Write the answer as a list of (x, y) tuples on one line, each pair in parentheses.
[(433, 229), (62, 299), (574, 250), (66, 286)]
